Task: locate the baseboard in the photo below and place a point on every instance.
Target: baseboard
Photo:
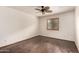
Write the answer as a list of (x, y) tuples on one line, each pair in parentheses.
[(56, 38)]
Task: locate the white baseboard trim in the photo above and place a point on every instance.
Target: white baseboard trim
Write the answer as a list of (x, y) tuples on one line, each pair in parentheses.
[(58, 38)]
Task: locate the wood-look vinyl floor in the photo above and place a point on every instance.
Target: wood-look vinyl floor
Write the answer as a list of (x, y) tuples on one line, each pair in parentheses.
[(41, 44)]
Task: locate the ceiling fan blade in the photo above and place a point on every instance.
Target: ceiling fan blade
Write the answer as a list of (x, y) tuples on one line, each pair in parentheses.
[(48, 11), (47, 7), (37, 9)]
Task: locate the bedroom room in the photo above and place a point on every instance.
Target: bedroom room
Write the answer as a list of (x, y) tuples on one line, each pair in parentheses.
[(39, 29)]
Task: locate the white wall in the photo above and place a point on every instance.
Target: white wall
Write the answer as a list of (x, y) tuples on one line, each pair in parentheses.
[(16, 26), (66, 26), (77, 26)]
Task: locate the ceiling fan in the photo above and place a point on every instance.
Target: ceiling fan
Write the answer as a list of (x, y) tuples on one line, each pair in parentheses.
[(44, 9)]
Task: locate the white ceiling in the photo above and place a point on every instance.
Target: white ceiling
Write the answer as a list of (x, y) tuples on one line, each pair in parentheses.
[(31, 9)]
